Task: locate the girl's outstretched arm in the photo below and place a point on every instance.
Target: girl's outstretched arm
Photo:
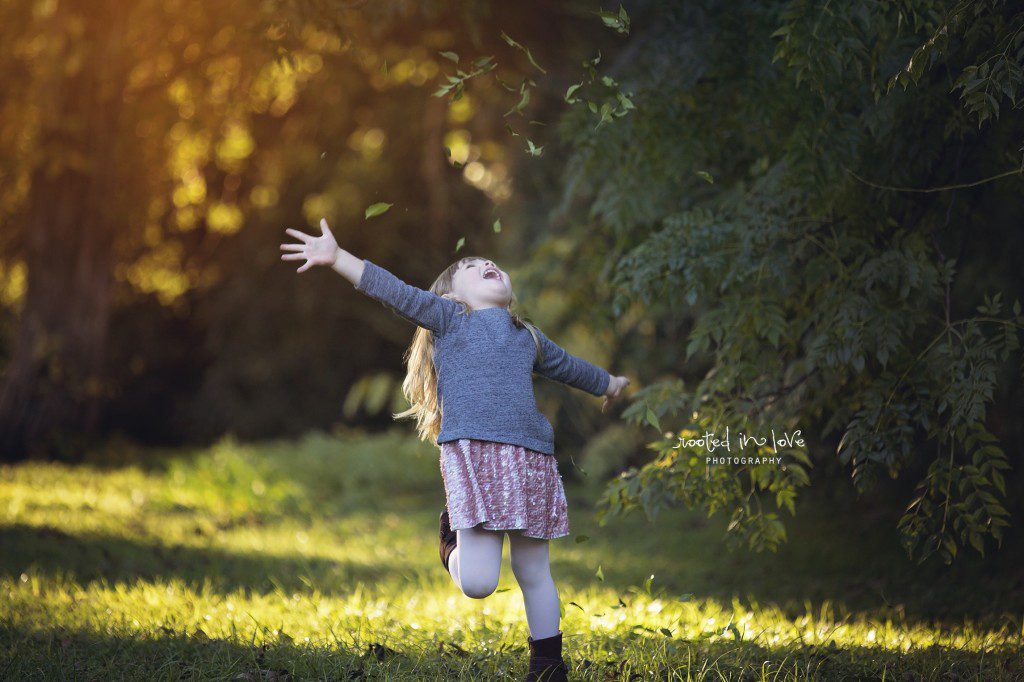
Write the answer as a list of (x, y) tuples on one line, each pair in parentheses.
[(560, 365), (423, 308)]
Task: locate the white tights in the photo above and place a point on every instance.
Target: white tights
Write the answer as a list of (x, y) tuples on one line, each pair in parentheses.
[(476, 565)]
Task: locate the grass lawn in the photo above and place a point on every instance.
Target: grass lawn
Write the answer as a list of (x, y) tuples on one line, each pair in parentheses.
[(317, 559)]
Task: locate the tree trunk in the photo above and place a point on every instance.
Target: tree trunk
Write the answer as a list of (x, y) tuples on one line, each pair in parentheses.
[(50, 394), (52, 386)]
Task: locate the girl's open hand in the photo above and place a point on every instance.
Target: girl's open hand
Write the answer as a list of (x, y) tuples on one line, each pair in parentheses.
[(320, 250), (615, 386)]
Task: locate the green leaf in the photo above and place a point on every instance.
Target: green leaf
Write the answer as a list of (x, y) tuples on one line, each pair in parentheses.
[(377, 209), (450, 55), (525, 49), (460, 243), (572, 89), (652, 419), (600, 573), (706, 176), (581, 538), (620, 21), (497, 225), (523, 101)]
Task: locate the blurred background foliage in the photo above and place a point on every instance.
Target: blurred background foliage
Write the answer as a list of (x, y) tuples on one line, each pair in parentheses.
[(143, 291), (770, 215), (820, 205)]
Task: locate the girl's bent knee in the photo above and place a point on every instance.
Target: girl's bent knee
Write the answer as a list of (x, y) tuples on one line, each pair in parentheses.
[(477, 588)]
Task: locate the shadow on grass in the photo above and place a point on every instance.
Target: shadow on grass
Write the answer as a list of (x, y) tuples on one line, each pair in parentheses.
[(60, 653), (840, 552), (89, 558)]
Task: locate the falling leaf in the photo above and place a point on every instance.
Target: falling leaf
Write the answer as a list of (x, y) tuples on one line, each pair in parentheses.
[(620, 21), (533, 150), (377, 209), (706, 176), (323, 155), (523, 101), (450, 55), (511, 130), (505, 85), (625, 101), (458, 244), (582, 538), (600, 573), (529, 56), (497, 225), (572, 89)]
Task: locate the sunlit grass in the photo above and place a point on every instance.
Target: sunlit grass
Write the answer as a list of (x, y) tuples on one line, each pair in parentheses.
[(317, 558)]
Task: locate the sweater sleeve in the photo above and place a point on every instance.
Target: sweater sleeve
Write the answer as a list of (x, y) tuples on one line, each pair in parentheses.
[(560, 365), (423, 308)]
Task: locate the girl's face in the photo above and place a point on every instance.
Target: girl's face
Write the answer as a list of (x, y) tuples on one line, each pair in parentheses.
[(482, 284)]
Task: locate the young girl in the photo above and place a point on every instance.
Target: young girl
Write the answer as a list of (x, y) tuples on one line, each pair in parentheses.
[(470, 385)]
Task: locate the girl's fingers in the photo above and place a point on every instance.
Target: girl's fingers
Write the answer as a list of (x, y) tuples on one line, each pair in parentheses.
[(305, 267), (292, 247), (323, 226), (292, 256), (301, 236)]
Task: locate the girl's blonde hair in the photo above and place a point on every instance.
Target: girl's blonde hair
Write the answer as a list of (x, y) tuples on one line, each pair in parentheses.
[(420, 384)]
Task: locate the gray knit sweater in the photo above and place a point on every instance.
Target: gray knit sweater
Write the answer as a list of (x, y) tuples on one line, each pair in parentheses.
[(484, 365)]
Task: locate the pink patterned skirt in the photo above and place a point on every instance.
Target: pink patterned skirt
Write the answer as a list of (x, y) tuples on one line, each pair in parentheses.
[(505, 487)]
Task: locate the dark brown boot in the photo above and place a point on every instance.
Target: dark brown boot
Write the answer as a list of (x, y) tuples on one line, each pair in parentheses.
[(447, 539), (546, 662)]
